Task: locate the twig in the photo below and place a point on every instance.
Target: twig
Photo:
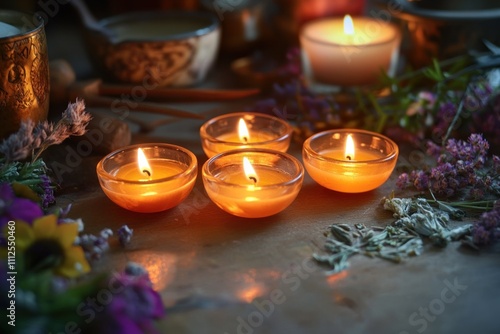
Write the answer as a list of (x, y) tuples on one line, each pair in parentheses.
[(457, 115)]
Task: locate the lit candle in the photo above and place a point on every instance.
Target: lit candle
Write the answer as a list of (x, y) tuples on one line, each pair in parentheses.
[(350, 161), (253, 183), (347, 52), (245, 130), (148, 184)]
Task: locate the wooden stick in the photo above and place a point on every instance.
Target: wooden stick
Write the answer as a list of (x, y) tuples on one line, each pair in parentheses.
[(111, 102), (180, 94)]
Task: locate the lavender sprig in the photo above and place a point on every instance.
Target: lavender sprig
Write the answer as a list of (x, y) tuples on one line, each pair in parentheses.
[(73, 122), (460, 165), (95, 246), (33, 139), (486, 230), (125, 235)]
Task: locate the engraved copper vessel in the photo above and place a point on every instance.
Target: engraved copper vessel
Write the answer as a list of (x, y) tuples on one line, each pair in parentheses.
[(24, 72), (447, 28)]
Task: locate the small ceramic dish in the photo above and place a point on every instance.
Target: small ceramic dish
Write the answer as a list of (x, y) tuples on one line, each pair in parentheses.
[(155, 48)]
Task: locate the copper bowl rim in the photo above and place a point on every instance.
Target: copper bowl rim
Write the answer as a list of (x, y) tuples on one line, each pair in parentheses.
[(32, 30)]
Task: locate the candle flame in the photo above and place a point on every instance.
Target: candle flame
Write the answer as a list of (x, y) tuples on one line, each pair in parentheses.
[(348, 25), (143, 164), (349, 148), (249, 170), (243, 133)]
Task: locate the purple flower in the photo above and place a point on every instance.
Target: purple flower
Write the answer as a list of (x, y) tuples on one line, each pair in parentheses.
[(496, 162), (265, 105), (487, 229), (476, 193), (444, 117), (42, 132), (481, 93), (292, 67), (63, 212), (47, 191), (420, 180), (403, 181), (76, 118), (16, 208), (134, 307), (475, 150), (460, 166), (424, 101), (94, 246), (434, 149), (18, 146), (125, 234)]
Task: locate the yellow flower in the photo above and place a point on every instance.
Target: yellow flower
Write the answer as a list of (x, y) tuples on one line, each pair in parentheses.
[(47, 244), (22, 190)]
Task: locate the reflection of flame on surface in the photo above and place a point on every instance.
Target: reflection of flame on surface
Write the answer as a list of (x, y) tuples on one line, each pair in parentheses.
[(249, 293), (254, 282), (335, 278), (160, 266)]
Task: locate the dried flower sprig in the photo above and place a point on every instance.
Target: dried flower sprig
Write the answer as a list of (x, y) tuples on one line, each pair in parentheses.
[(125, 234), (30, 141), (486, 230), (461, 165)]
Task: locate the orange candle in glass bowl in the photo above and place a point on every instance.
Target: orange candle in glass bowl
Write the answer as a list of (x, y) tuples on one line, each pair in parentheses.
[(349, 160), (253, 183), (148, 178), (245, 130)]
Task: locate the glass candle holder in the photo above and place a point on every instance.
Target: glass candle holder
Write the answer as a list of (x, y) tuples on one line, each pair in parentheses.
[(164, 181), (361, 166), (332, 57), (270, 186), (223, 133)]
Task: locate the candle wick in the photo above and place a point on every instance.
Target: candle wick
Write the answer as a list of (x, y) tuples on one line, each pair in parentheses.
[(253, 178), (348, 157), (245, 139), (145, 171)]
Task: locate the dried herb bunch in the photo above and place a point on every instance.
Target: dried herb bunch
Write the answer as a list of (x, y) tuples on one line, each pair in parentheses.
[(20, 153)]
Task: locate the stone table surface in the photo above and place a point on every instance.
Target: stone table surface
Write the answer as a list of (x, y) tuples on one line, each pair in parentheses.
[(222, 274)]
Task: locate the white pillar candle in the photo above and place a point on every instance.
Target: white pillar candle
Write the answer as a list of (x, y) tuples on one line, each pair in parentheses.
[(343, 53)]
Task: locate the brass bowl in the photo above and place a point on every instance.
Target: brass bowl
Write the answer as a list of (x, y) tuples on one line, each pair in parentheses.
[(24, 72)]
